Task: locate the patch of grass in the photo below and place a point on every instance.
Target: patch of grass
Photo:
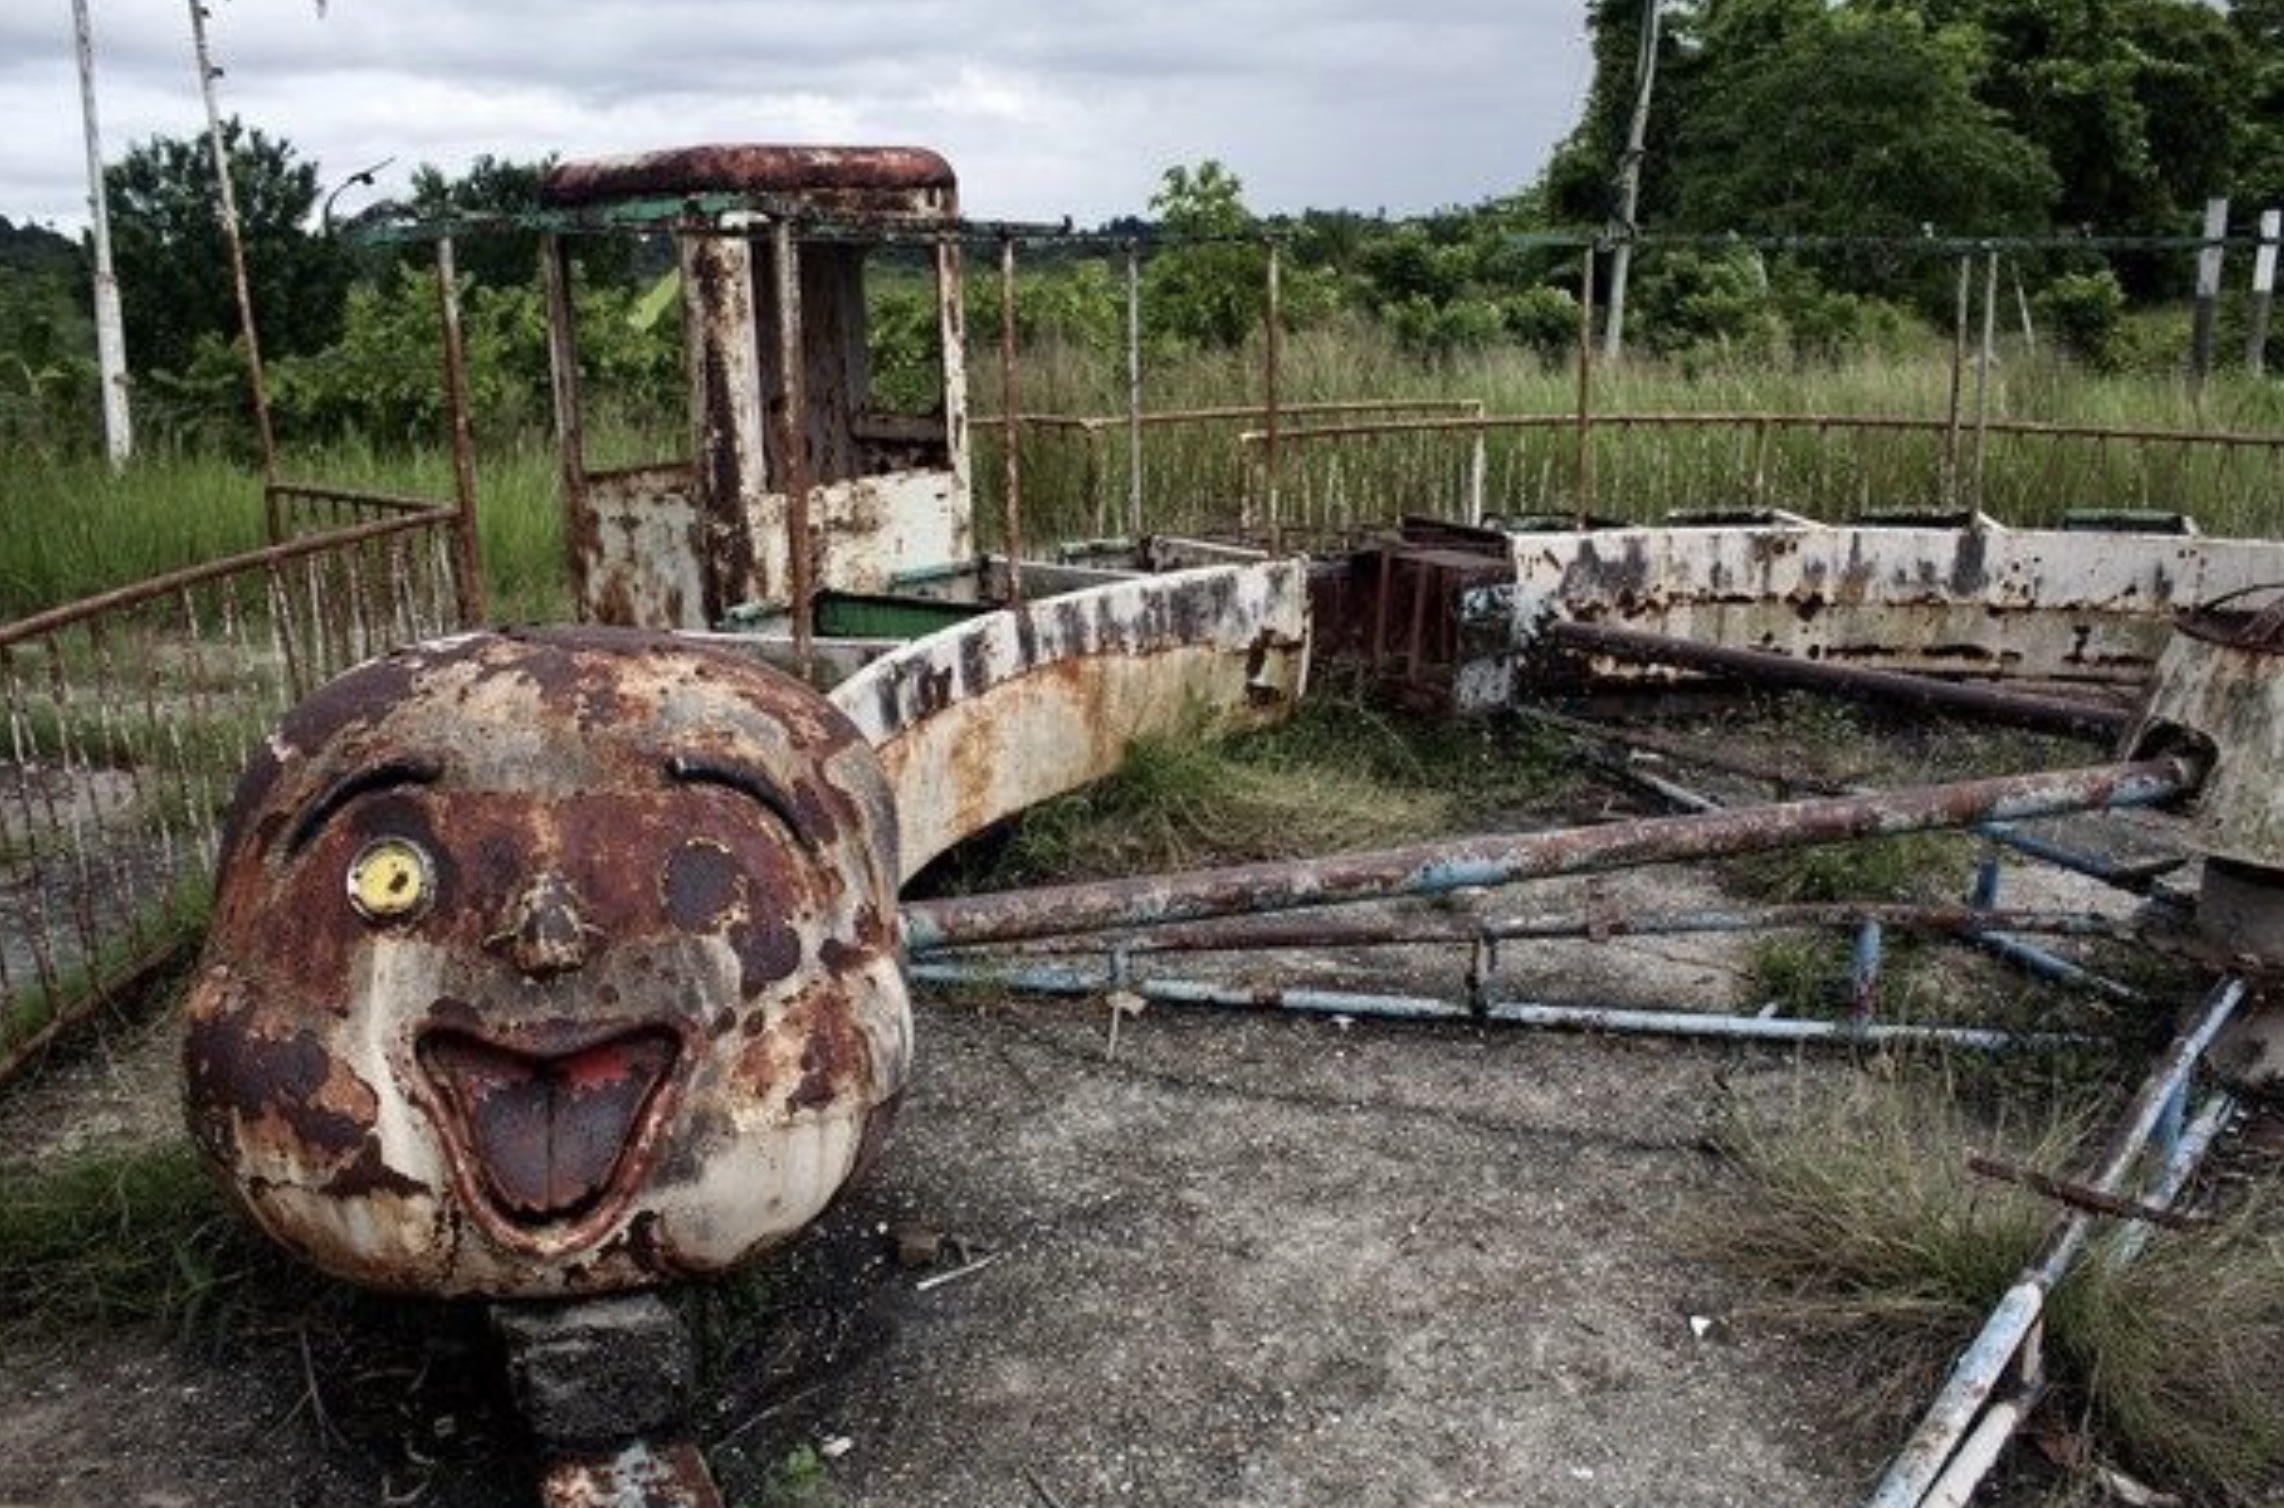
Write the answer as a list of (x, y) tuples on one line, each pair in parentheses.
[(1804, 973), (1907, 867), (798, 1480), (1337, 776), (135, 1236), (1860, 1225)]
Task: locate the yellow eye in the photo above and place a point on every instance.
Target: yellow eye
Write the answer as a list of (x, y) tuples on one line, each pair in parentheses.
[(391, 880)]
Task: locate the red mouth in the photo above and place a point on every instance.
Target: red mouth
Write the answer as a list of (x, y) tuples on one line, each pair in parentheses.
[(548, 1137)]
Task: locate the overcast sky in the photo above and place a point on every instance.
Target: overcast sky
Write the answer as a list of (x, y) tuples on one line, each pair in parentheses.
[(1044, 109)]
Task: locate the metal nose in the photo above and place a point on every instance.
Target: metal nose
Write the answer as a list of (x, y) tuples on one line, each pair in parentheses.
[(545, 935)]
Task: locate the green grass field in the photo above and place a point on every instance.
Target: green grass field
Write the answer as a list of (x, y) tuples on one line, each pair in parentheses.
[(75, 529)]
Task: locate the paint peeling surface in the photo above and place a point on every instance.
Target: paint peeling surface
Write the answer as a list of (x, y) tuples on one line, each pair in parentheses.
[(2220, 688), (980, 721), (1988, 601), (635, 554), (548, 963)]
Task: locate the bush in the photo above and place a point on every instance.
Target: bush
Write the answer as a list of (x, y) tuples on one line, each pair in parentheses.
[(2086, 313)]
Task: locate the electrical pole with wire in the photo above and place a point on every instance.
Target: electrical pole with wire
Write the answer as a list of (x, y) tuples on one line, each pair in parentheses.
[(1630, 186)]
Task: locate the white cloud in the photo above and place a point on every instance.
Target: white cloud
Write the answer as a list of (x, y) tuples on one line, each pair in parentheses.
[(1044, 109)]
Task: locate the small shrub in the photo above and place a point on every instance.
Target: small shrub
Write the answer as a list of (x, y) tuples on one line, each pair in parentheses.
[(2086, 313)]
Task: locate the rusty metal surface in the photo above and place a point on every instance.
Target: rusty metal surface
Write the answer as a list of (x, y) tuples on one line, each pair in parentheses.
[(1923, 693), (910, 180), (1982, 602), (644, 1474), (979, 721), (637, 1016), (2217, 688), (1485, 860), (637, 549)]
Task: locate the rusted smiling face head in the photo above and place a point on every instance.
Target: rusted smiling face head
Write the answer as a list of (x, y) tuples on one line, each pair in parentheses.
[(553, 962)]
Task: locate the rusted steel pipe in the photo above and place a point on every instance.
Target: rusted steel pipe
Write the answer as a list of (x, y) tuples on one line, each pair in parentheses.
[(1502, 859), (1011, 497), (2046, 714)]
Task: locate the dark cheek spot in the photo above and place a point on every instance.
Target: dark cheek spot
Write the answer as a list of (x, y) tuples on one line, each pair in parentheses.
[(767, 951), (702, 885)]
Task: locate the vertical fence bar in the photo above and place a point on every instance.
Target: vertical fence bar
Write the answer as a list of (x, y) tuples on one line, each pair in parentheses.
[(1983, 371), (1950, 463), (468, 559), (563, 388), (1133, 392), (1011, 501), (1270, 318), (792, 436), (1585, 471)]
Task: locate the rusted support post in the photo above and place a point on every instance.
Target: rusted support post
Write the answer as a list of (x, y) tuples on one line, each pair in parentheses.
[(792, 439), (1133, 392), (1585, 498), (1986, 703), (1011, 422), (563, 387), (467, 553), (228, 200), (1502, 859), (1271, 319), (1950, 477)]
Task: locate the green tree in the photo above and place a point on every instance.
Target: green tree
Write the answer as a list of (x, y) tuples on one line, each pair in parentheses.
[(1861, 121), (1208, 288), (174, 271), (492, 187)]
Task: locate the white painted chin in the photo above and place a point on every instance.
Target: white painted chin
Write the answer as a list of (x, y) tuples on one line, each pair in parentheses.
[(730, 1174)]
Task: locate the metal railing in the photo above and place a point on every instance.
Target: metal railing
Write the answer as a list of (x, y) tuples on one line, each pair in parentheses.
[(128, 715), (1639, 467), (1177, 471)]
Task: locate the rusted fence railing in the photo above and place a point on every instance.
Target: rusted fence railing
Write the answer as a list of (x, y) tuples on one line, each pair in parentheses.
[(1641, 467), (1084, 478), (128, 715)]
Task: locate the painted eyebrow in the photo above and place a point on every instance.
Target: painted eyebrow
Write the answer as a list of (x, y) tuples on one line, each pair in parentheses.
[(745, 781), (381, 777)]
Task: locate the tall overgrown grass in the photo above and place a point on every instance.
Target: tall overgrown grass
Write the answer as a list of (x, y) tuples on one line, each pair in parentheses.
[(74, 529)]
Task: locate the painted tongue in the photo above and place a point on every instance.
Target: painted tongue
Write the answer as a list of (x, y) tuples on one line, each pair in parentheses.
[(546, 1134)]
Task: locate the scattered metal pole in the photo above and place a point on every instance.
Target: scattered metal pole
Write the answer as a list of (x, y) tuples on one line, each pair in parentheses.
[(207, 74), (467, 554), (1913, 1474), (110, 329), (1488, 860), (1619, 1020), (2263, 292), (1011, 513), (1950, 479), (1630, 185), (1133, 392), (1986, 703), (2208, 292), (792, 438), (1586, 392)]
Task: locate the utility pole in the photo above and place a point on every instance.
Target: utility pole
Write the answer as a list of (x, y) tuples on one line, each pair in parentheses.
[(1630, 185), (110, 331), (207, 74)]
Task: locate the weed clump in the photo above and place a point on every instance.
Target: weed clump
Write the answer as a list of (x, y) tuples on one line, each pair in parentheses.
[(1859, 1224)]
